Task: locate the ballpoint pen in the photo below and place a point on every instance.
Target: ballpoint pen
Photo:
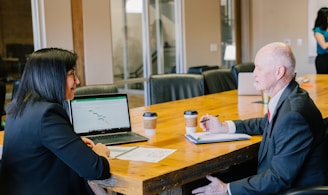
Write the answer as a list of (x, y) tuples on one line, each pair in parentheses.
[(204, 120)]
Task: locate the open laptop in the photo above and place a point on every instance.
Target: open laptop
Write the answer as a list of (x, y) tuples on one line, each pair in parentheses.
[(246, 84), (103, 118)]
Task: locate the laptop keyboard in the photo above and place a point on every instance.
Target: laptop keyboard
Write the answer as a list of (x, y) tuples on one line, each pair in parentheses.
[(113, 136), (110, 139)]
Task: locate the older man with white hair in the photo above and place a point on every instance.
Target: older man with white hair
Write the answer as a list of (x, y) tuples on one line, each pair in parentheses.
[(292, 152)]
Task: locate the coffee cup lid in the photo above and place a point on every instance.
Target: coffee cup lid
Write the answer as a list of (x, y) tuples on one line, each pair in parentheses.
[(190, 112), (149, 114)]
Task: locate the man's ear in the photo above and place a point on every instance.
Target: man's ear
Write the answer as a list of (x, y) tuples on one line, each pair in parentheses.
[(280, 72)]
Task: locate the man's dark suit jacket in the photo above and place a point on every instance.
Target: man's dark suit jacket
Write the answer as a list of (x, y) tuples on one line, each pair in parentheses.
[(292, 152)]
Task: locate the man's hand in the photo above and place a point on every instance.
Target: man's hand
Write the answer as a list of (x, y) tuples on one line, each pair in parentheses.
[(216, 187), (213, 124)]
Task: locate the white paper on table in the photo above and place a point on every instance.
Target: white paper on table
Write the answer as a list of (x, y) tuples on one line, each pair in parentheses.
[(153, 155), (116, 151)]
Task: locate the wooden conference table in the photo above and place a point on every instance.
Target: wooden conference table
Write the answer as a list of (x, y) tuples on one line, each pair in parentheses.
[(191, 162)]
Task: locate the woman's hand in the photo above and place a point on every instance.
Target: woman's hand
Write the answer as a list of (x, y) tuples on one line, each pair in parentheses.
[(88, 141), (101, 150)]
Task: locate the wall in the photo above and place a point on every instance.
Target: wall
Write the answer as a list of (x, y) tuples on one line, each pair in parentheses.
[(97, 42), (53, 28), (58, 25), (282, 20), (202, 28)]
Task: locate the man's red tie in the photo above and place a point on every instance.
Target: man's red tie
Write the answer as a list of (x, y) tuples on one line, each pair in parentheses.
[(269, 115)]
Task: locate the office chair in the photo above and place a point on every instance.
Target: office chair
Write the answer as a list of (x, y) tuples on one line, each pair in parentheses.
[(82, 90), (96, 89), (3, 71), (244, 67), (316, 190), (3, 97), (2, 102), (170, 87), (218, 80), (201, 69)]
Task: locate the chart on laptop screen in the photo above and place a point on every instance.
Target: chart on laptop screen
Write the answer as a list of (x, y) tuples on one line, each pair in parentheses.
[(95, 114)]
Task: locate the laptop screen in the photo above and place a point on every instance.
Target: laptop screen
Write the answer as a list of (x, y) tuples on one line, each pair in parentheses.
[(94, 114)]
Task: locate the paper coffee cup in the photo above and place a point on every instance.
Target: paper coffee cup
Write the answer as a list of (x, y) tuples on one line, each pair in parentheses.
[(190, 117), (265, 98), (150, 120)]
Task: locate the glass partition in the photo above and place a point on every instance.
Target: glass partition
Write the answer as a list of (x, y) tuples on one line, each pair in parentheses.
[(162, 36), (127, 43), (134, 58), (228, 44)]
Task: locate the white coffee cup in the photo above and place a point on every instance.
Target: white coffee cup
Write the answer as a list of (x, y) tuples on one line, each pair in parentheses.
[(150, 120), (190, 117), (265, 98)]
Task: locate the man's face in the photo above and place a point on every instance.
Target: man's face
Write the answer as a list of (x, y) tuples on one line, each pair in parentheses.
[(264, 73)]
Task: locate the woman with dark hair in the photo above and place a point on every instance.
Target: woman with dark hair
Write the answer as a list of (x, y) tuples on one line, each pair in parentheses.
[(321, 35), (41, 152)]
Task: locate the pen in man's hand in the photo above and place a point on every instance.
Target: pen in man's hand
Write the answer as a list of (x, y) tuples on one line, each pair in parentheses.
[(204, 120)]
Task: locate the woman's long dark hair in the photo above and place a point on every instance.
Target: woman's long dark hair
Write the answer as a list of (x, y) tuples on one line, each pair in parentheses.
[(44, 78), (321, 20)]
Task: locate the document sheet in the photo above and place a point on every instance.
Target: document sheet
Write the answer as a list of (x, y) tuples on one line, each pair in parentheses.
[(136, 153)]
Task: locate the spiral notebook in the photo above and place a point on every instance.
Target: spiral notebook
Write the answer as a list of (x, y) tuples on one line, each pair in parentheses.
[(206, 137)]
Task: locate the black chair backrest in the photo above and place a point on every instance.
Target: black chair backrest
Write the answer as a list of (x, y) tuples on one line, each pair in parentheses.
[(3, 71), (218, 80), (2, 98), (315, 190), (244, 67), (201, 69), (170, 87), (96, 89), (83, 90)]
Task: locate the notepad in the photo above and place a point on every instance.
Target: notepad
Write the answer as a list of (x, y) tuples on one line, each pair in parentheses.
[(206, 137)]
